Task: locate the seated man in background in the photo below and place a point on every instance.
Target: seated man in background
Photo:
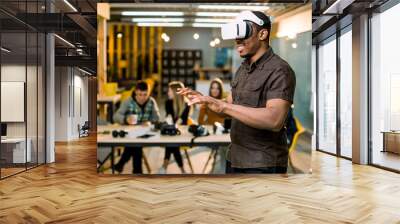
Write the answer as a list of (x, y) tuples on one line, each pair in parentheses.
[(140, 108)]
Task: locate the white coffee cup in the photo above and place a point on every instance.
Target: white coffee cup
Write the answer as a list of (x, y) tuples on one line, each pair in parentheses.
[(219, 128), (132, 119)]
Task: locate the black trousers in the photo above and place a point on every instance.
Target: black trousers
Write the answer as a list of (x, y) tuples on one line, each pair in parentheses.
[(177, 155), (136, 153), (261, 170)]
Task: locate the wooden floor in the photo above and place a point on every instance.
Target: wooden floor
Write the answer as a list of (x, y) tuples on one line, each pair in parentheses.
[(70, 191)]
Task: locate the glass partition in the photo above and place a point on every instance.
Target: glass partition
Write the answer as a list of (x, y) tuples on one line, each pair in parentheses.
[(41, 110), (22, 88), (327, 95), (15, 151), (31, 97), (385, 89), (346, 92)]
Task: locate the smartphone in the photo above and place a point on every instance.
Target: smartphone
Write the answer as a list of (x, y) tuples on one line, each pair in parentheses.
[(145, 136)]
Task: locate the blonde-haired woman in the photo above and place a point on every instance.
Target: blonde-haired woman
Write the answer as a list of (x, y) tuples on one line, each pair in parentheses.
[(179, 110)]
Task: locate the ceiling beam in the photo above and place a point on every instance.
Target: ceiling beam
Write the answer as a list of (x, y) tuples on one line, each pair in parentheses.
[(82, 61), (84, 24)]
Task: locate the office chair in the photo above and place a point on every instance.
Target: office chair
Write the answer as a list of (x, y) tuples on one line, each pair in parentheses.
[(300, 130)]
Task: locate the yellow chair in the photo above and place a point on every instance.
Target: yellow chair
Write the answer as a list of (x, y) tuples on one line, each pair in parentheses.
[(190, 121), (110, 88), (300, 130), (126, 94), (150, 83)]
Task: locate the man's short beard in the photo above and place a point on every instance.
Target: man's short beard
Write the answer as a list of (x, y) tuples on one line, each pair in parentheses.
[(247, 56)]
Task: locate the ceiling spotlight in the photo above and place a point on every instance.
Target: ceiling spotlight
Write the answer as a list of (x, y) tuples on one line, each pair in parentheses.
[(212, 44), (166, 39), (212, 20), (151, 13), (207, 25), (164, 35), (119, 35), (196, 36), (217, 41), (79, 51), (235, 7), (217, 14), (158, 20), (294, 45), (161, 24)]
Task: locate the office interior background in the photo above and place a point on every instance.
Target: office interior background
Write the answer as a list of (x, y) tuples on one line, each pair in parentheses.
[(357, 82), (182, 42), (355, 140), (48, 74)]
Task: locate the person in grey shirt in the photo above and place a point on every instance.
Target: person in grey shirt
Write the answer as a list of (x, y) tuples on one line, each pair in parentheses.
[(140, 109)]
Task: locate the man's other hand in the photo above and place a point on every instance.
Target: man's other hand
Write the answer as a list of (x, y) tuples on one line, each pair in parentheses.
[(213, 104), (195, 97), (188, 93)]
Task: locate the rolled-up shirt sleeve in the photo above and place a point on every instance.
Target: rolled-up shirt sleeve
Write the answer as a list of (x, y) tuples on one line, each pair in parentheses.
[(120, 114), (281, 85)]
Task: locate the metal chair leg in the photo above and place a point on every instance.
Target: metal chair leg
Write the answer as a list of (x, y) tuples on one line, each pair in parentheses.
[(146, 163), (214, 160), (208, 160), (188, 158)]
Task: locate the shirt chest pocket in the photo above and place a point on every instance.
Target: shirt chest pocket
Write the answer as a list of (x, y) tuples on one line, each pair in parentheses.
[(252, 94), (250, 90)]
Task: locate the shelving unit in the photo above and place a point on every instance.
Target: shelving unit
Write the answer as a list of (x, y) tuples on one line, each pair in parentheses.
[(178, 65)]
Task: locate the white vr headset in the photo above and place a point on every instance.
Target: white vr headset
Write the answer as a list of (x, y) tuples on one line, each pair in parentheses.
[(241, 28)]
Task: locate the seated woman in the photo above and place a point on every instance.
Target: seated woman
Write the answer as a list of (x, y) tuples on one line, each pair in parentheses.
[(207, 116), (179, 111)]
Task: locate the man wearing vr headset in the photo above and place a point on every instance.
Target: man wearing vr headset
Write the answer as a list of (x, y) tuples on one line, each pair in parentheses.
[(262, 93)]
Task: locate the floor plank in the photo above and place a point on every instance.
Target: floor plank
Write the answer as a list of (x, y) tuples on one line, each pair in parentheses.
[(70, 191)]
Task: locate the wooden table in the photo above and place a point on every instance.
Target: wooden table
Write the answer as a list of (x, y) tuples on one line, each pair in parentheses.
[(111, 101), (391, 141), (132, 140)]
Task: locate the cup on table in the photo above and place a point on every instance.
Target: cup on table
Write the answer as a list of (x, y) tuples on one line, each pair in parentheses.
[(218, 128), (132, 119)]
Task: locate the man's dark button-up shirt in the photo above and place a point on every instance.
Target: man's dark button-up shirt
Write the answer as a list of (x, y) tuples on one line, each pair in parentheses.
[(270, 77)]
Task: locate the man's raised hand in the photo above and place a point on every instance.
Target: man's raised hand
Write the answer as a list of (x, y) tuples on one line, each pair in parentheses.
[(196, 97)]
